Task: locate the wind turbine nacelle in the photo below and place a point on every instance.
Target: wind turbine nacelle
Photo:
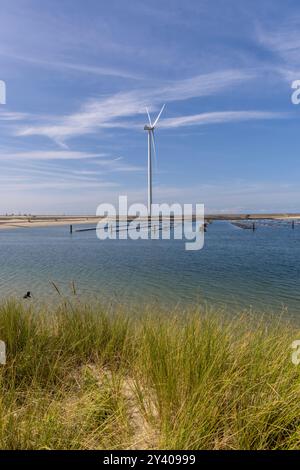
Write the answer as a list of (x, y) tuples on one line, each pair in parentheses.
[(148, 128)]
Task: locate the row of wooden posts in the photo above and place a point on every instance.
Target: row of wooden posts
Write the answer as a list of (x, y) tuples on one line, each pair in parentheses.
[(253, 226)]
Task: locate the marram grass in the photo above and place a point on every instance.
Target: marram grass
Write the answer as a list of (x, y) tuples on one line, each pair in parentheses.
[(92, 377)]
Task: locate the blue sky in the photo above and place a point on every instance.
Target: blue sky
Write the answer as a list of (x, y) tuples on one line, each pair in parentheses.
[(79, 75)]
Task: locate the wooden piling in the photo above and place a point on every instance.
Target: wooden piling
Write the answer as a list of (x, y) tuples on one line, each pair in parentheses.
[(71, 228)]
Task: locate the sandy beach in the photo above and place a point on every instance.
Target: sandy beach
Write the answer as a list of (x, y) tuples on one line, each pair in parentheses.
[(10, 222), (44, 221)]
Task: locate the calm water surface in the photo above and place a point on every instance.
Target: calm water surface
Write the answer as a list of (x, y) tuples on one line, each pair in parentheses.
[(236, 268)]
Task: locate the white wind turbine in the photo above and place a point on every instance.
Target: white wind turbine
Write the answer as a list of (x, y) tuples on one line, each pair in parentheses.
[(151, 142)]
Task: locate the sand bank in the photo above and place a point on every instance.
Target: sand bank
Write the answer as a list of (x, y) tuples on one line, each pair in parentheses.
[(10, 222)]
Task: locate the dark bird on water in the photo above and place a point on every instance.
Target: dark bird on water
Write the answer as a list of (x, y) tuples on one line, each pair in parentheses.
[(27, 295)]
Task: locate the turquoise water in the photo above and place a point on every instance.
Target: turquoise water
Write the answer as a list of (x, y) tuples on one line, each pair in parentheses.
[(236, 268)]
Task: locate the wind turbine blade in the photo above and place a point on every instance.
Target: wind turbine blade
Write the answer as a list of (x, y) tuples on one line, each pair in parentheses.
[(154, 149), (149, 117), (156, 120)]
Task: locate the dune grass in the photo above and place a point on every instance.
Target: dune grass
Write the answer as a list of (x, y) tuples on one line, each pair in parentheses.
[(97, 377)]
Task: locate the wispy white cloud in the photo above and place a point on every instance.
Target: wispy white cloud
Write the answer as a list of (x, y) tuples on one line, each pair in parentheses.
[(77, 67), (12, 116), (230, 196), (118, 165), (56, 185), (48, 155), (219, 117), (129, 168), (51, 170), (110, 111), (284, 42), (285, 39)]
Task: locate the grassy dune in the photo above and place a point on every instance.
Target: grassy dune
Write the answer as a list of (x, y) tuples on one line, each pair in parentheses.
[(92, 377)]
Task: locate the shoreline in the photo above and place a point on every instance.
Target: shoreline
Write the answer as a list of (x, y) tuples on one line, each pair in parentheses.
[(12, 222), (26, 222)]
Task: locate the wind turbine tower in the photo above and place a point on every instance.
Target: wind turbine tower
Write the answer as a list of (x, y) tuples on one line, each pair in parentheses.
[(151, 144)]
